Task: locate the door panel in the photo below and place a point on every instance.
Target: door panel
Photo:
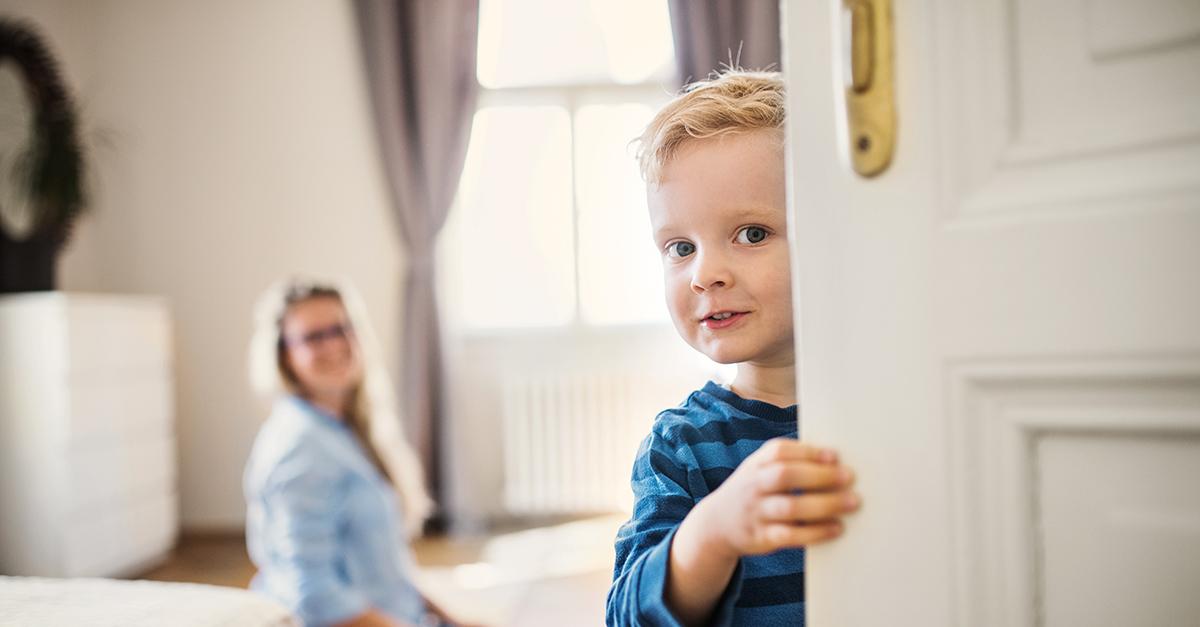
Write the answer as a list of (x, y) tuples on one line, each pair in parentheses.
[(1060, 106), (1002, 331), (1116, 539), (1063, 472)]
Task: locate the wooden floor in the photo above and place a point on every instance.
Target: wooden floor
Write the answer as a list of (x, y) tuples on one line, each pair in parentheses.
[(221, 558), (547, 576), (218, 559)]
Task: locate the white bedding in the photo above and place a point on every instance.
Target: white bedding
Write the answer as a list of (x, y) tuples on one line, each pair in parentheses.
[(38, 602)]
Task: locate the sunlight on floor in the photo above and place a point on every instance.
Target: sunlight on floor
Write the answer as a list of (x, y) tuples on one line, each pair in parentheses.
[(546, 576)]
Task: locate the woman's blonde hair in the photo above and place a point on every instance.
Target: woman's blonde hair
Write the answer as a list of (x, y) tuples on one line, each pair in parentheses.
[(733, 100), (371, 414)]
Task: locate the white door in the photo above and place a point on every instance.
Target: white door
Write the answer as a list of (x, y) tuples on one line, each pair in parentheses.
[(1001, 332)]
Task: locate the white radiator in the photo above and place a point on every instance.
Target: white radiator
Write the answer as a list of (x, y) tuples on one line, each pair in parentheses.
[(570, 439)]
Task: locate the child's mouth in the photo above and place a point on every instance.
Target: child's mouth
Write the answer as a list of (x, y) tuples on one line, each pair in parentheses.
[(723, 320)]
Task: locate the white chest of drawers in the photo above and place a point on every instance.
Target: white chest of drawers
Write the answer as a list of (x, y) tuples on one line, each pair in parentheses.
[(87, 440)]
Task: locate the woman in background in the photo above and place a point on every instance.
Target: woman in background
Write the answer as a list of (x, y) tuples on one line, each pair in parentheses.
[(332, 487)]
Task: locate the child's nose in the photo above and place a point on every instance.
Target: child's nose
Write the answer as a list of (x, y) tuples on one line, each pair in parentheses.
[(711, 272)]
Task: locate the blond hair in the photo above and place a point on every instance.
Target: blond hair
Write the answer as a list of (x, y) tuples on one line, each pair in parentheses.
[(730, 101), (371, 413)]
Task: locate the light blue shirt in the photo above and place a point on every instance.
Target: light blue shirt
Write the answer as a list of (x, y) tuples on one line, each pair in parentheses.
[(323, 525)]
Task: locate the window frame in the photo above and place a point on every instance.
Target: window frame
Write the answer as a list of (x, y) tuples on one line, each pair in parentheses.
[(572, 97)]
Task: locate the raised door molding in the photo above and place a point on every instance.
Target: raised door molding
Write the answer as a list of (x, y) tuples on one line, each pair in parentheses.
[(1067, 106), (1036, 447)]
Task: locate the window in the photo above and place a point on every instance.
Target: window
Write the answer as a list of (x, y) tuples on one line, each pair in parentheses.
[(550, 227)]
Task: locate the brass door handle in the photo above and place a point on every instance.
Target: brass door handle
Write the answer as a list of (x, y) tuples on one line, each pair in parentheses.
[(868, 93)]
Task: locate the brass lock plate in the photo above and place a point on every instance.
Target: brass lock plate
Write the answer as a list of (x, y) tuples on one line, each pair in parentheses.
[(869, 92)]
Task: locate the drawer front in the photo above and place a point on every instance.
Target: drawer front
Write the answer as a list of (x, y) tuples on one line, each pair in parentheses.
[(32, 342), (101, 472), (118, 333), (127, 535), (110, 404)]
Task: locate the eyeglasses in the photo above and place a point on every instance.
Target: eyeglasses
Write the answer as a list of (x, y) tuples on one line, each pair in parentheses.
[(313, 339)]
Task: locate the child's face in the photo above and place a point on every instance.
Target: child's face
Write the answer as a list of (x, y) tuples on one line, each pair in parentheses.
[(719, 222)]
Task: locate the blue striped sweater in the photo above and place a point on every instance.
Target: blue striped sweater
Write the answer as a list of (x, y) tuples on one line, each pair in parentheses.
[(690, 451)]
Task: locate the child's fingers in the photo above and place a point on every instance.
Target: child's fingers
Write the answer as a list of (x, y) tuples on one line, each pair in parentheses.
[(787, 476), (787, 449), (822, 506), (782, 535)]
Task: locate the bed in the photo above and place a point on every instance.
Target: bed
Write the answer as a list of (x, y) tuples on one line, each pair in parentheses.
[(42, 602)]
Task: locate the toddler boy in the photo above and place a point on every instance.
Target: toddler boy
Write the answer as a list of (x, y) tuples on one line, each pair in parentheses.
[(725, 495)]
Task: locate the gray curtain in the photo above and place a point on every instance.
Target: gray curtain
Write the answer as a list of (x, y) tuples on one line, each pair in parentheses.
[(709, 33), (420, 62)]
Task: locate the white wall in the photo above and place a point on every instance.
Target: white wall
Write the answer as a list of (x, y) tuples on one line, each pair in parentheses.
[(232, 144)]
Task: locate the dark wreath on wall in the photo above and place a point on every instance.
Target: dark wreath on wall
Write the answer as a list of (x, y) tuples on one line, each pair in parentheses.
[(42, 166)]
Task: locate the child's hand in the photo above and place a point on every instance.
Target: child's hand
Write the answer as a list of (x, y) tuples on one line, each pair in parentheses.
[(756, 510)]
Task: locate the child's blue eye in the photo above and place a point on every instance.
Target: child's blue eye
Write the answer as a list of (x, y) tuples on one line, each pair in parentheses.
[(751, 235), (680, 249)]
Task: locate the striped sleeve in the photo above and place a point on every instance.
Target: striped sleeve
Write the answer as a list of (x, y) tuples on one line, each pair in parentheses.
[(665, 478)]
